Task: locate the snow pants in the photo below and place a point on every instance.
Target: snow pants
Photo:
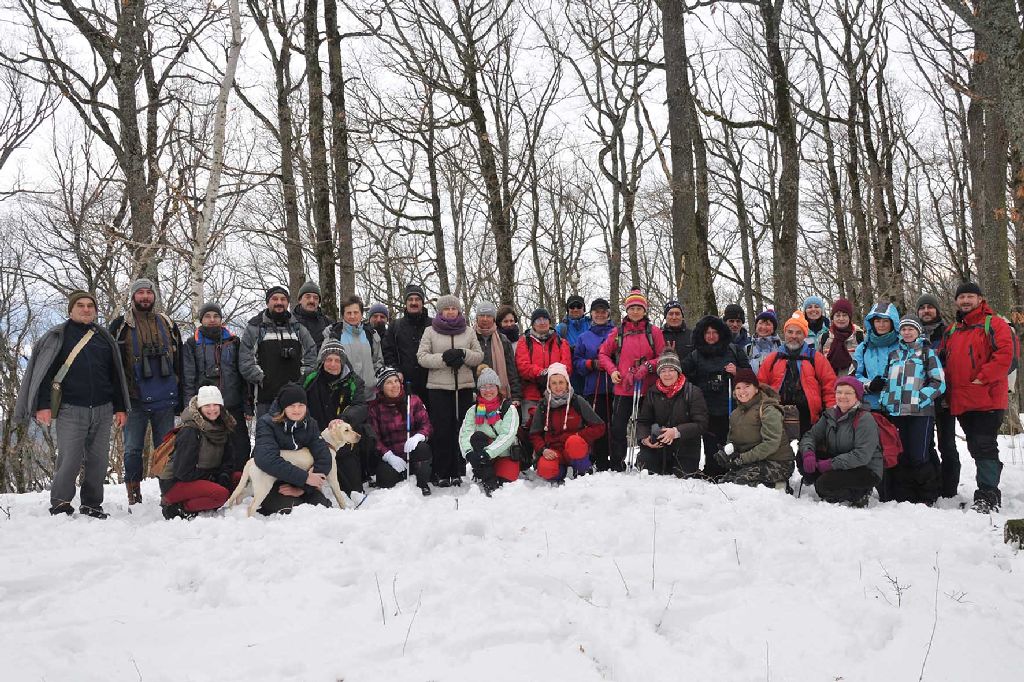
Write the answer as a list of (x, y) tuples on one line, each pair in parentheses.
[(765, 472), (197, 496), (916, 478), (845, 485), (945, 431)]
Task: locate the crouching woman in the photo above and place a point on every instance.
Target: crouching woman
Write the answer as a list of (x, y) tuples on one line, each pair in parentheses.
[(198, 476), (671, 421), (563, 429), (288, 426), (402, 426), (758, 451), (488, 433), (843, 447)]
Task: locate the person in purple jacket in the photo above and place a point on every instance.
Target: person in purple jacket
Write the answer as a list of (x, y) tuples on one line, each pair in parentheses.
[(597, 384), (402, 426)]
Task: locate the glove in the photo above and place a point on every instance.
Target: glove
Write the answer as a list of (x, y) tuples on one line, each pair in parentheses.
[(479, 441), (728, 457), (876, 385), (825, 465), (413, 441), (810, 462), (454, 357), (641, 372), (396, 462), (542, 379)]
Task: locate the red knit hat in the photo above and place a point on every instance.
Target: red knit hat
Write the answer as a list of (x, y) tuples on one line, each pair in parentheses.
[(636, 297), (842, 306)]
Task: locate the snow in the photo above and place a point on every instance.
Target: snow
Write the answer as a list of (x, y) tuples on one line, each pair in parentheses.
[(717, 583)]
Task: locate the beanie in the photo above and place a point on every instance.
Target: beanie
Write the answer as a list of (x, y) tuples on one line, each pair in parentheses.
[(289, 395), (600, 304), (557, 369), (77, 295), (842, 305), (414, 290), (487, 308), (385, 373), (378, 308), (210, 307), (576, 300), (142, 283), (745, 375), (209, 395), (912, 322), (488, 377), (669, 359), (448, 301), (799, 321), (673, 304), (734, 311), (636, 297), (969, 288), (770, 317), (309, 288), (853, 383), (539, 313), (331, 347), (278, 289), (927, 299), (813, 300)]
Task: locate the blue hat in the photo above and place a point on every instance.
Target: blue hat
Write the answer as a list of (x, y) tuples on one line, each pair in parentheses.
[(813, 300)]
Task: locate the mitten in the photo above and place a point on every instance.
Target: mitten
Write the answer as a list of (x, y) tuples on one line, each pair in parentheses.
[(810, 462), (824, 465)]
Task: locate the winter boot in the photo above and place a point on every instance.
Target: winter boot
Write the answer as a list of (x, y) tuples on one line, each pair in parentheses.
[(986, 500), (94, 512), (62, 508), (177, 511), (134, 492), (862, 501), (425, 489)]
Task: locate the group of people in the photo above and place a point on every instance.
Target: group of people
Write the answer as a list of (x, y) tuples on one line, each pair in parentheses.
[(427, 394)]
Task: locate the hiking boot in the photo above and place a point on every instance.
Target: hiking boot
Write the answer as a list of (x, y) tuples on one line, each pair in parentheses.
[(177, 511), (93, 512), (134, 489), (444, 483), (983, 506), (861, 502), (62, 508), (426, 491)]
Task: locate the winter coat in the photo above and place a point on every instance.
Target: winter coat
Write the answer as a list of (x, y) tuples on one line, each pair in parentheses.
[(550, 428), (440, 376), (872, 356), (196, 458), (49, 354), (705, 366), (685, 411), (315, 323), (159, 391), (679, 339), (273, 355), (817, 379), (533, 357), (970, 356), (761, 347), (824, 344), (515, 384), (812, 336), (637, 356), (272, 437), (333, 397), (756, 429), (404, 335), (364, 350), (742, 340), (571, 330), (848, 440), (914, 380), (502, 434), (585, 361), (388, 422), (209, 362)]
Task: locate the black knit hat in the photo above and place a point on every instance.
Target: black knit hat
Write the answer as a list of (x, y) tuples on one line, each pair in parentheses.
[(969, 288), (539, 313), (673, 304), (576, 300), (210, 307), (385, 373), (277, 290), (600, 304), (289, 395), (414, 290), (734, 311)]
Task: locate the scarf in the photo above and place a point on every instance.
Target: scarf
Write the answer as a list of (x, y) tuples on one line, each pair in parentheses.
[(213, 435), (206, 335), (883, 340), (281, 318), (553, 403), (673, 390), (497, 354), (449, 327), (512, 334), (817, 324), (487, 411), (838, 356), (541, 337)]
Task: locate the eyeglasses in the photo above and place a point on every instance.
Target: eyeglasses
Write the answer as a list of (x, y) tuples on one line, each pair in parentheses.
[(576, 306)]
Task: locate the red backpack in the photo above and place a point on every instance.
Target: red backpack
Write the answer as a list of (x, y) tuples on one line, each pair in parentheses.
[(888, 436)]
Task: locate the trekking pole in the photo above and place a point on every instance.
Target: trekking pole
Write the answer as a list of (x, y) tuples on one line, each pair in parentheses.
[(631, 429), (408, 428), (729, 386)]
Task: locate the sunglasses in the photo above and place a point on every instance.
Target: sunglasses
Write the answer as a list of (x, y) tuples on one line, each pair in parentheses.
[(576, 306)]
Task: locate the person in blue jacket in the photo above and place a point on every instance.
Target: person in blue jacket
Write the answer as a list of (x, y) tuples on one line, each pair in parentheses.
[(288, 426), (571, 328), (596, 384), (872, 355)]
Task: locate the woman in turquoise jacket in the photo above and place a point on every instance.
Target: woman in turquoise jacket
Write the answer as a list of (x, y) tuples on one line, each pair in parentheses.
[(872, 355)]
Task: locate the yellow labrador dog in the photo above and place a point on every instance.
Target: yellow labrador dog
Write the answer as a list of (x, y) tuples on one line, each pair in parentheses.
[(337, 434)]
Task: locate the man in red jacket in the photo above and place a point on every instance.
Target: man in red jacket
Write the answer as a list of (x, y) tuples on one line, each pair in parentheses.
[(979, 350)]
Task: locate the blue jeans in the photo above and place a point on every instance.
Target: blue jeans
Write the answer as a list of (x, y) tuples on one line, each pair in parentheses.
[(135, 436)]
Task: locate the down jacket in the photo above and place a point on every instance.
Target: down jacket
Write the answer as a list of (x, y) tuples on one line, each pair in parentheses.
[(972, 354), (585, 361), (816, 377), (849, 440), (872, 356), (686, 411), (272, 437), (439, 375), (533, 357)]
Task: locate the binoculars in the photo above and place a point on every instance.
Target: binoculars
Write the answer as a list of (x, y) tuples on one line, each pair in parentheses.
[(155, 350), (716, 383), (287, 353)]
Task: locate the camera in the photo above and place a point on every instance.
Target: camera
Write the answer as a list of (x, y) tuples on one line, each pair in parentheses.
[(656, 431), (213, 373), (715, 384), (287, 353)]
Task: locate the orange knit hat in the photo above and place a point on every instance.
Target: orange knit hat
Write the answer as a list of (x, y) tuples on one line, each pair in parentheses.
[(798, 320)]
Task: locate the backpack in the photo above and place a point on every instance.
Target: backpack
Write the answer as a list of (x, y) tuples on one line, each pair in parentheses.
[(162, 453), (621, 332), (790, 420), (888, 436)]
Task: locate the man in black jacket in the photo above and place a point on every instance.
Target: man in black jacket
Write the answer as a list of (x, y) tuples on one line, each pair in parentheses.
[(934, 329), (403, 342), (94, 394), (307, 312)]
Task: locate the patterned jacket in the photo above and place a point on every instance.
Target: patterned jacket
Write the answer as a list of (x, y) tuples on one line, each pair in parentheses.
[(914, 380), (388, 422)]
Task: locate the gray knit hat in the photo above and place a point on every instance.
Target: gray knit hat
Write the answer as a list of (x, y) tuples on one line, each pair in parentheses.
[(331, 347), (927, 299), (488, 377), (487, 308), (210, 307), (670, 359), (378, 308), (448, 301), (310, 287), (142, 283)]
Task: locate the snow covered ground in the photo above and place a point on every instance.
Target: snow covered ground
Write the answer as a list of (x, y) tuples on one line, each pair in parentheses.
[(610, 577)]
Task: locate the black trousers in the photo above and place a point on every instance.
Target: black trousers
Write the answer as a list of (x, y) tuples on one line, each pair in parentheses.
[(447, 408), (350, 469), (621, 412), (668, 460), (982, 430), (845, 485), (275, 502), (600, 454), (419, 466), (714, 438), (945, 432), (240, 438), (916, 477)]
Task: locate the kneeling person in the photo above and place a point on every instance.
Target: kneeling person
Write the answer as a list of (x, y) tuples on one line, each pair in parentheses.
[(758, 451), (488, 434), (671, 421), (563, 429), (402, 426)]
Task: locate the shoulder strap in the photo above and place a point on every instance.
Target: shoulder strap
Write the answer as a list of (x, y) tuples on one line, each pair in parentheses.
[(63, 371)]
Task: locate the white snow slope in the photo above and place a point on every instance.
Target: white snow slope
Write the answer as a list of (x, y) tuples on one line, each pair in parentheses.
[(610, 577)]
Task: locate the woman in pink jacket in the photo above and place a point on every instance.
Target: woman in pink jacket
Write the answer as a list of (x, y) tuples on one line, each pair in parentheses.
[(629, 355)]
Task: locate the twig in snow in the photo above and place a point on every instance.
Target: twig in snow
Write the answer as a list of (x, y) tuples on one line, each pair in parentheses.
[(7, 512), (137, 671), (547, 545), (935, 619), (671, 592), (767, 664), (736, 546), (456, 504), (379, 594), (654, 542), (958, 597), (896, 587), (412, 620), (585, 600), (394, 593), (621, 576)]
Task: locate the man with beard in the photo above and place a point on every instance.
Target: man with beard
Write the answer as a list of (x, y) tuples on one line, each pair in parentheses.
[(403, 342), (151, 355), (735, 320), (934, 329), (275, 350), (677, 335), (307, 313), (210, 358)]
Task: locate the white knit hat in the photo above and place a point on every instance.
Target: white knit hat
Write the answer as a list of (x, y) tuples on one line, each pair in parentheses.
[(209, 395)]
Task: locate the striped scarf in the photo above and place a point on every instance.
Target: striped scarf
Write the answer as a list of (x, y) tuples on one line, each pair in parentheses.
[(487, 411)]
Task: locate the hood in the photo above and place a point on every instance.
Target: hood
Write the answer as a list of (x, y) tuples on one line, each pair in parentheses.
[(881, 310), (724, 335)]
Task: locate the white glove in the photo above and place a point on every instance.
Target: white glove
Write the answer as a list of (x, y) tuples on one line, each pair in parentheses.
[(396, 462), (413, 441), (729, 448)]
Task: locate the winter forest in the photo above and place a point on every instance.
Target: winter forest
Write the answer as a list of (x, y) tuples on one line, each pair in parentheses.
[(720, 151)]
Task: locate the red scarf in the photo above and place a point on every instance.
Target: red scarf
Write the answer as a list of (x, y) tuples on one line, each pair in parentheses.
[(673, 390)]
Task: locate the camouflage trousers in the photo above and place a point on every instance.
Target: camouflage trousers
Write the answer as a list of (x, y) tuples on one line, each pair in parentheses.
[(759, 473)]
